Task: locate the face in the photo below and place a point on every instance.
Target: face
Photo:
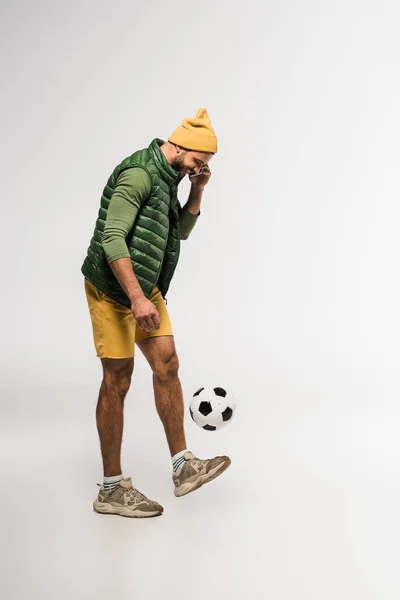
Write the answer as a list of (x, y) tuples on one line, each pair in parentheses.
[(189, 162)]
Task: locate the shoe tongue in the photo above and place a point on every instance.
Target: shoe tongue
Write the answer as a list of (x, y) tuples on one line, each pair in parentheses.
[(188, 455), (126, 483)]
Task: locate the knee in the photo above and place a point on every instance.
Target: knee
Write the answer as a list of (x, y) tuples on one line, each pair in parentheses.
[(122, 384), (118, 380), (118, 384), (167, 367)]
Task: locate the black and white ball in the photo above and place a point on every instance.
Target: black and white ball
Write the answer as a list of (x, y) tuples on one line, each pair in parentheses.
[(212, 408)]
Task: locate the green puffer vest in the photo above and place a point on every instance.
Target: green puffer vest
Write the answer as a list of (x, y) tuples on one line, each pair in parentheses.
[(153, 242)]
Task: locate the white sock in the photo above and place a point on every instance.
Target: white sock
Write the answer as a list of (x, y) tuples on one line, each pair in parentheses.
[(177, 461), (111, 483)]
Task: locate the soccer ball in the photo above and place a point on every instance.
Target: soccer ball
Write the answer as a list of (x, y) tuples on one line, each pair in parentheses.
[(212, 408)]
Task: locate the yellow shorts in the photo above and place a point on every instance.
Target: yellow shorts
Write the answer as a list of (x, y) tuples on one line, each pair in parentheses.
[(114, 327)]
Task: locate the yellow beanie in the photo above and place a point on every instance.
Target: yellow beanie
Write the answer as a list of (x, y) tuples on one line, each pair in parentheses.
[(196, 134)]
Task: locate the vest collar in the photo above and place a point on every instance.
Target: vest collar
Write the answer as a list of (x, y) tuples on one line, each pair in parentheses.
[(167, 173)]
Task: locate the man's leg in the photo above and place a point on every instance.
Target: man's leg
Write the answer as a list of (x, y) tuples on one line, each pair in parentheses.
[(161, 355), (114, 336), (117, 375), (193, 472), (123, 499)]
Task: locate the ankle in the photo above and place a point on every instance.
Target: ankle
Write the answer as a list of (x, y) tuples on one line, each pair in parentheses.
[(111, 483), (178, 460)]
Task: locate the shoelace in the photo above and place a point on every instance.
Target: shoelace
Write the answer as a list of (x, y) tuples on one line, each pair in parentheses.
[(197, 462), (134, 493)]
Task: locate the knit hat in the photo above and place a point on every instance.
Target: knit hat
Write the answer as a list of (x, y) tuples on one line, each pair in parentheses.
[(196, 134)]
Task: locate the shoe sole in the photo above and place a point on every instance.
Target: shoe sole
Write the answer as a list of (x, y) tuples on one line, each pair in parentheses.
[(191, 486), (108, 509)]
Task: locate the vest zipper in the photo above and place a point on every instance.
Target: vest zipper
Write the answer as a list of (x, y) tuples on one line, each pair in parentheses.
[(173, 185)]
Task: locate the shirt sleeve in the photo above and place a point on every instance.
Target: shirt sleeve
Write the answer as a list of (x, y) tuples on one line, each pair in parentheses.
[(132, 189), (187, 221)]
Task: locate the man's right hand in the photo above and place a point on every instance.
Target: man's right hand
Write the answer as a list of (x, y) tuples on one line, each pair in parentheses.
[(145, 313)]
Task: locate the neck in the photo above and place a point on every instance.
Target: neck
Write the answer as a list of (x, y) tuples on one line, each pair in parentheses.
[(169, 151)]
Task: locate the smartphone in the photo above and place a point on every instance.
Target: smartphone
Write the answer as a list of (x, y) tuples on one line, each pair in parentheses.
[(196, 174)]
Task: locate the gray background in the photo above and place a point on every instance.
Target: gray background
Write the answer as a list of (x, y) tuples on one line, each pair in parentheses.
[(287, 294)]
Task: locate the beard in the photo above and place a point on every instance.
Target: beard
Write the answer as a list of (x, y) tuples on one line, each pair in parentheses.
[(178, 165)]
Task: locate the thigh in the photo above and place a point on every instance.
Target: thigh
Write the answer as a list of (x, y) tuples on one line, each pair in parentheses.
[(165, 322), (113, 325), (158, 350)]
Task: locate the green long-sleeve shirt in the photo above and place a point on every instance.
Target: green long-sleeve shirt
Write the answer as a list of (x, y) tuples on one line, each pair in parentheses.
[(132, 190)]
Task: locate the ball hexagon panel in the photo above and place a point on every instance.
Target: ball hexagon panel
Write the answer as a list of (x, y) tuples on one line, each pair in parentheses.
[(219, 404), (215, 419), (199, 419)]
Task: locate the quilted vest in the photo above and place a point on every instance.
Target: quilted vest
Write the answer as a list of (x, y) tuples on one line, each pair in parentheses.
[(154, 240)]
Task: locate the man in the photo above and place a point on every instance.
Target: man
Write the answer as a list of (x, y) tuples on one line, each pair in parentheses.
[(129, 265)]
